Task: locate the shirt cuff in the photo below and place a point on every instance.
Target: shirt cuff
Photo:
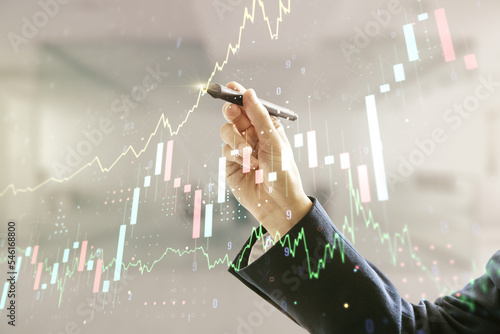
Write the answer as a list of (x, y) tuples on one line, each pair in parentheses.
[(258, 249)]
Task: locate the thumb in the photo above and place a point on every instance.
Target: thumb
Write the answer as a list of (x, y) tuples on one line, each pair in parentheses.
[(258, 115)]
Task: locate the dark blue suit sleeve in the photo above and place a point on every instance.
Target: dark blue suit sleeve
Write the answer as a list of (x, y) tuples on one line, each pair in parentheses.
[(325, 286)]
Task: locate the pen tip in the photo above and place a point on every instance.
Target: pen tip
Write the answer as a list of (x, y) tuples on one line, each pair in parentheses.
[(213, 89)]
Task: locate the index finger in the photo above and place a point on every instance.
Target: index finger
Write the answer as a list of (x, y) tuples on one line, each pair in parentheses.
[(235, 114)]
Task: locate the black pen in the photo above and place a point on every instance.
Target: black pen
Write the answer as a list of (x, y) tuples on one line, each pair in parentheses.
[(222, 92)]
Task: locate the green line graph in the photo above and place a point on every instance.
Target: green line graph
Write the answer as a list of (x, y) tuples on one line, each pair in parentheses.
[(357, 214)]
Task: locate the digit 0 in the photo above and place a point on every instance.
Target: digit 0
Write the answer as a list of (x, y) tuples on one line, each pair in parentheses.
[(369, 326)]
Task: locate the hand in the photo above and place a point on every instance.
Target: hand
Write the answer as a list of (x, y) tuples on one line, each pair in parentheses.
[(278, 205)]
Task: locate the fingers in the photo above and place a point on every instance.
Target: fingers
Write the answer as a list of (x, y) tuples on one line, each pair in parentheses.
[(259, 116), (227, 152), (236, 86), (252, 121), (238, 116), (250, 136), (235, 114), (232, 166), (237, 159), (233, 138), (279, 127)]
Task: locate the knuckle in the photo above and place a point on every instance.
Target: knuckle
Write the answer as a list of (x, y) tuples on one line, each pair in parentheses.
[(235, 85)]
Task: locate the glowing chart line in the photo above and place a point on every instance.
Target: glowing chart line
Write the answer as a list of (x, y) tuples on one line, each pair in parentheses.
[(218, 67), (348, 228)]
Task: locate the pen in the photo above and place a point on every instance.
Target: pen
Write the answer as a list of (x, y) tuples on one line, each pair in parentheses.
[(222, 92)]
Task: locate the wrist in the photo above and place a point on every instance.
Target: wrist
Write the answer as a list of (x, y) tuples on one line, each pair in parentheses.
[(284, 219)]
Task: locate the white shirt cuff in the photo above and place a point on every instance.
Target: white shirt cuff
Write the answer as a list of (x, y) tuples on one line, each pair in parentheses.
[(258, 249)]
